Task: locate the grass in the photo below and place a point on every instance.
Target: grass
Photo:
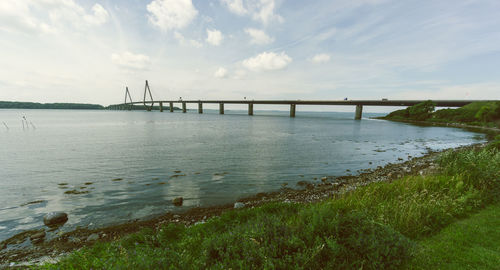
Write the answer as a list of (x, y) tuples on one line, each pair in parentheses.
[(476, 113), (379, 226), (471, 243)]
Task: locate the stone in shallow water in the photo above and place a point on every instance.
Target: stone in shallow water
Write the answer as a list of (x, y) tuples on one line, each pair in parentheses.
[(37, 237), (177, 201), (54, 219)]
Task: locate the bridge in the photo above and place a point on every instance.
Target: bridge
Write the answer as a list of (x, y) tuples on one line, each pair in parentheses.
[(292, 103)]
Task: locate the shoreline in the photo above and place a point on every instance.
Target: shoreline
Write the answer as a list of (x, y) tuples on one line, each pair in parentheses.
[(482, 129), (328, 187)]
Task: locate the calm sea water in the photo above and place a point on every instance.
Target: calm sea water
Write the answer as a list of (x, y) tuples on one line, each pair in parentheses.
[(206, 159)]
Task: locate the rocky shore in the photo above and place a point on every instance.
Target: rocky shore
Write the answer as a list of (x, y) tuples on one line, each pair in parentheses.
[(40, 251)]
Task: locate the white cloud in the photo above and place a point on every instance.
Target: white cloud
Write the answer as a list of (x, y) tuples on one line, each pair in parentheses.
[(260, 10), (320, 58), (129, 60), (99, 17), (214, 37), (267, 61), (171, 14), (259, 37), (220, 73), (183, 41), (265, 14), (235, 6), (31, 16)]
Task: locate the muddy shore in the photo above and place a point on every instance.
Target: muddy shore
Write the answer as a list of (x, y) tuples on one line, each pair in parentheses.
[(308, 192)]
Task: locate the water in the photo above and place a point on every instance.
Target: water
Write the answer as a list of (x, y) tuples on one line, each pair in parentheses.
[(218, 159)]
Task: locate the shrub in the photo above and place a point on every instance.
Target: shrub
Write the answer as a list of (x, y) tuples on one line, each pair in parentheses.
[(399, 114), (422, 111), (489, 112)]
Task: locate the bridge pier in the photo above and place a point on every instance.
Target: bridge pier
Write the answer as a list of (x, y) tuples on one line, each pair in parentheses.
[(292, 110), (250, 108), (183, 107), (221, 108), (200, 107), (161, 106), (171, 107), (359, 112)]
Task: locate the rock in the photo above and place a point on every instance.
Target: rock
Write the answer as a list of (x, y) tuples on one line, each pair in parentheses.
[(37, 237), (302, 183), (93, 237), (74, 240), (177, 201), (324, 179), (239, 205), (54, 219)]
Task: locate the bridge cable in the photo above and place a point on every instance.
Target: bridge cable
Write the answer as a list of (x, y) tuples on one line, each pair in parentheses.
[(146, 89)]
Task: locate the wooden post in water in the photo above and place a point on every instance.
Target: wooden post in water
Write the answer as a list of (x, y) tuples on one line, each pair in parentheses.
[(161, 106), (183, 107), (292, 110), (359, 112), (171, 107), (250, 108), (221, 108), (200, 107)]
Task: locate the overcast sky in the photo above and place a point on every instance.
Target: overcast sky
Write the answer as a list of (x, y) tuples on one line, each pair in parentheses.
[(89, 50)]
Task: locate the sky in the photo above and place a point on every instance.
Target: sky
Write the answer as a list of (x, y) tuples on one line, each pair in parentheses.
[(88, 51)]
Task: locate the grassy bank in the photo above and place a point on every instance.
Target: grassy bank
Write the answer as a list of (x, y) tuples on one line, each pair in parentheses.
[(382, 225), (471, 243), (483, 114)]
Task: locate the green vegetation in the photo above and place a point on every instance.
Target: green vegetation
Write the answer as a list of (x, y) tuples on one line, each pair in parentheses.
[(476, 113), (379, 226), (471, 243), (33, 105)]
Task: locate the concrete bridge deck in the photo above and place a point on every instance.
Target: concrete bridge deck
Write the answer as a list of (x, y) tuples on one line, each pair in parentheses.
[(293, 103)]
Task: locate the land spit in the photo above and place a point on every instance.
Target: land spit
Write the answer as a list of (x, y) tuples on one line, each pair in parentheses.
[(312, 191)]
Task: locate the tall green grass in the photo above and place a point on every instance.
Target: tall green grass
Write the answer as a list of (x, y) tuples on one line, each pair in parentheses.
[(372, 227)]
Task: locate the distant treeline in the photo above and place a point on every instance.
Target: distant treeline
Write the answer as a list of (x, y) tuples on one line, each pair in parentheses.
[(35, 105)]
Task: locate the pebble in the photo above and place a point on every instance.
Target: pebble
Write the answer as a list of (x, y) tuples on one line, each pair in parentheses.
[(37, 237), (74, 240), (238, 205), (92, 237)]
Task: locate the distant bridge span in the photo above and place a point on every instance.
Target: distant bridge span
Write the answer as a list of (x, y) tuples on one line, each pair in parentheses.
[(293, 103)]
